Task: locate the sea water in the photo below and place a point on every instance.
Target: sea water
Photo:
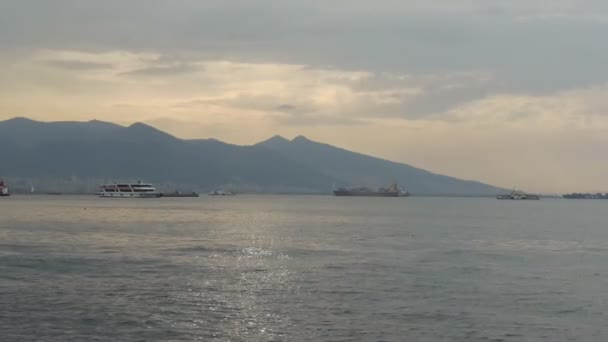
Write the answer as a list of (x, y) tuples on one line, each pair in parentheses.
[(302, 268)]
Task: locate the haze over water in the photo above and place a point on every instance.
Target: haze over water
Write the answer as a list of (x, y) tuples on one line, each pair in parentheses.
[(302, 268)]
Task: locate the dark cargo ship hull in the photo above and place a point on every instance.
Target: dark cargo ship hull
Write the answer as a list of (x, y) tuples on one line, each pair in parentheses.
[(173, 194), (366, 193)]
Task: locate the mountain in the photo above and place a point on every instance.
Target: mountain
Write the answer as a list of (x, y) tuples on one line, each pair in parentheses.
[(95, 152), (28, 132), (77, 156), (359, 169)]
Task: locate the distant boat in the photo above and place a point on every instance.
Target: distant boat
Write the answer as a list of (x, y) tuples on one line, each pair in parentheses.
[(404, 193), (4, 192), (518, 195), (126, 190), (577, 195), (180, 194), (220, 193), (391, 191)]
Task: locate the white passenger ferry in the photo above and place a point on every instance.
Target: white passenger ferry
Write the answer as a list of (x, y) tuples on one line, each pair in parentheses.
[(137, 190)]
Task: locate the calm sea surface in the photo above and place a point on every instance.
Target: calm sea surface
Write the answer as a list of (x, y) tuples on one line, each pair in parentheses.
[(302, 268)]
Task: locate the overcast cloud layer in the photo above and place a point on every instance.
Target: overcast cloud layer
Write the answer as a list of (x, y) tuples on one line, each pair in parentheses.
[(511, 93)]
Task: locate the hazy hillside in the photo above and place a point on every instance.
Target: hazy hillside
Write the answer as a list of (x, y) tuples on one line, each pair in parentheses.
[(102, 151), (358, 169), (76, 156)]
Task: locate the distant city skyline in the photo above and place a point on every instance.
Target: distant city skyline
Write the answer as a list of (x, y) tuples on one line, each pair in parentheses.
[(508, 93)]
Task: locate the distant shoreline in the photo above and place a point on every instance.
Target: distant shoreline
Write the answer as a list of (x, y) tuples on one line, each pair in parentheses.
[(286, 194)]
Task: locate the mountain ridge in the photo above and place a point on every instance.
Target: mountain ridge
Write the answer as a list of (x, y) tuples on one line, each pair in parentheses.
[(96, 150), (331, 160)]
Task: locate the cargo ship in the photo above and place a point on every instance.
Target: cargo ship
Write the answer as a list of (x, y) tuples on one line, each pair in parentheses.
[(4, 189), (220, 193), (180, 194), (391, 191)]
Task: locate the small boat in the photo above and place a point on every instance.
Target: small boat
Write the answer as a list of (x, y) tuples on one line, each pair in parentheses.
[(4, 189), (128, 190), (180, 194), (220, 193), (578, 195), (518, 195)]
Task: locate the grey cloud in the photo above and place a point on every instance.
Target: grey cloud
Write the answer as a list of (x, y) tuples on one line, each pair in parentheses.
[(286, 108), (438, 100), (299, 119), (78, 65), (265, 103), (284, 113), (382, 36), (415, 97), (188, 104), (165, 70)]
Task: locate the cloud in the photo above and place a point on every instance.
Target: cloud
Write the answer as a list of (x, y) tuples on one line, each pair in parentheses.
[(290, 94), (524, 43), (286, 107), (315, 120), (164, 70), (78, 65)]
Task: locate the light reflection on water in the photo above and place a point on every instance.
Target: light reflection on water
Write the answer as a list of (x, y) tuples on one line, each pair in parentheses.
[(272, 268)]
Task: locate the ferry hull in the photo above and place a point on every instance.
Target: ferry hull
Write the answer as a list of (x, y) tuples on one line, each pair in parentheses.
[(515, 198), (128, 190), (367, 194), (130, 195)]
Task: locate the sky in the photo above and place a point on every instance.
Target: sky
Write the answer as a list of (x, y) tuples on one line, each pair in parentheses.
[(512, 93)]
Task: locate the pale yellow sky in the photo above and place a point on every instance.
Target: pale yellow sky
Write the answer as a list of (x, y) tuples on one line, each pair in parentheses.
[(485, 93)]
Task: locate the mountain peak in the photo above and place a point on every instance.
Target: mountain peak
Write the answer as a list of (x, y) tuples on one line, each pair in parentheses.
[(103, 124), (274, 141), (278, 138), (140, 125), (147, 130), (19, 119), (301, 138)]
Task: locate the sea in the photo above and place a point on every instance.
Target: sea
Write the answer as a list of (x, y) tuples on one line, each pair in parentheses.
[(302, 268)]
